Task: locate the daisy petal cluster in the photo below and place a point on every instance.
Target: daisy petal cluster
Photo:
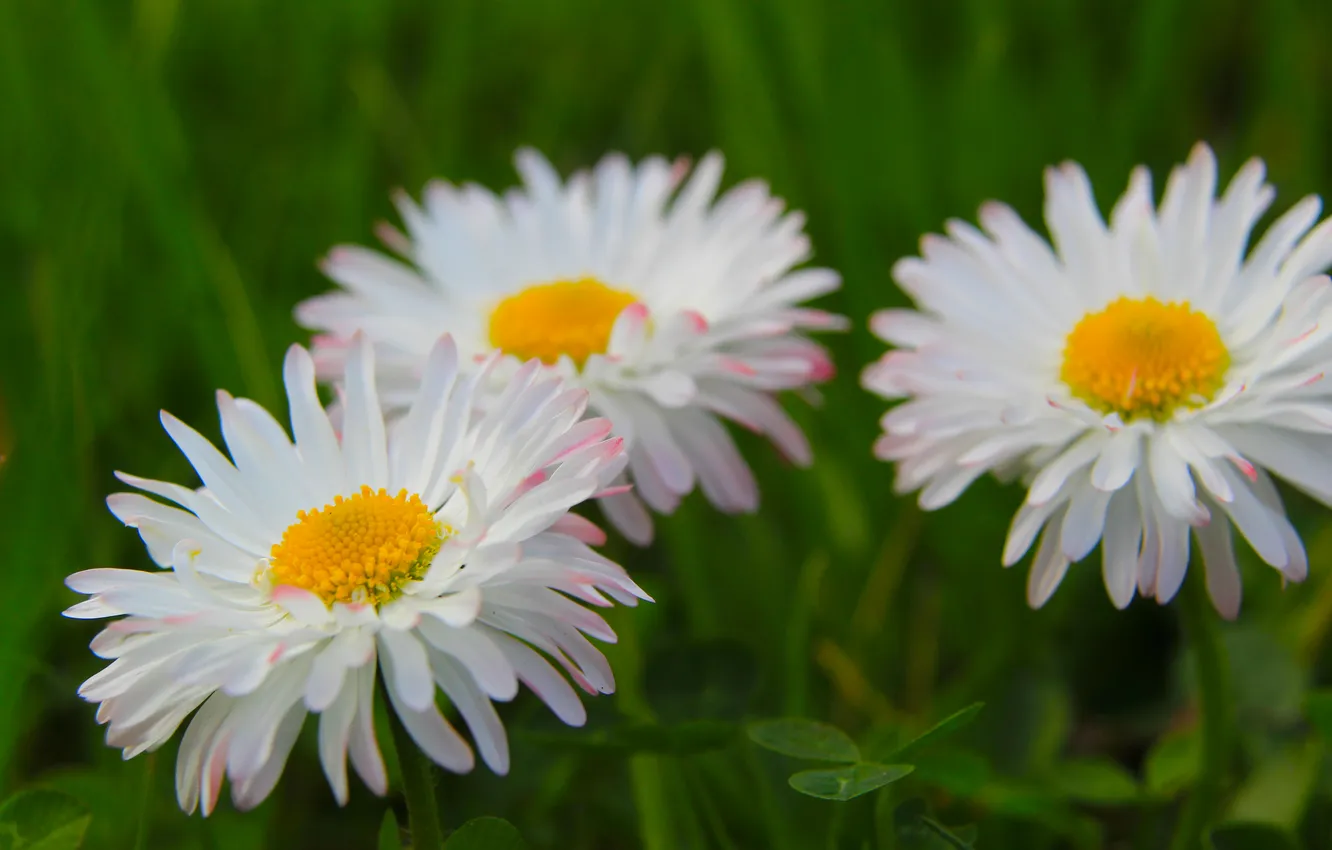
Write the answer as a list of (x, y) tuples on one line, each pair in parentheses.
[(1146, 376), (673, 306), (434, 554)]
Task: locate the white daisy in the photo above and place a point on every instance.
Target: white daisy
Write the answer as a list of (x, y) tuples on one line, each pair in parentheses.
[(674, 309), (441, 551), (1145, 376)]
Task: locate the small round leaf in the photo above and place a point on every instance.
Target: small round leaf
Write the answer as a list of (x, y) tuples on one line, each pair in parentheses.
[(42, 820), (486, 833), (1173, 763), (804, 739), (848, 781), (1099, 781)]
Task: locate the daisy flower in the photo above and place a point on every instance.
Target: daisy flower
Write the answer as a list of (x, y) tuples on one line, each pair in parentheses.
[(439, 553), (1146, 377), (674, 309)]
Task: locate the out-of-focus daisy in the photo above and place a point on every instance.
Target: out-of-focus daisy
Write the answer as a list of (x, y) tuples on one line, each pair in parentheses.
[(1145, 376), (441, 553), (674, 309)]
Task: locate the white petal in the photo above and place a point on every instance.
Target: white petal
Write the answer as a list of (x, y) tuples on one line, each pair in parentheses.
[(334, 733), (478, 653), (1118, 460), (363, 441), (1083, 522), (456, 610), (1151, 515), (627, 514), (406, 669), (1203, 466), (1048, 567), (476, 709), (1119, 551), (1297, 567), (328, 672), (315, 438), (1302, 459), (723, 474), (1071, 461), (416, 448), (1256, 522), (535, 672), (302, 604), (669, 388), (1027, 523), (258, 719), (1223, 577), (428, 728), (1174, 558), (1174, 484), (218, 475), (361, 746), (196, 753), (255, 790)]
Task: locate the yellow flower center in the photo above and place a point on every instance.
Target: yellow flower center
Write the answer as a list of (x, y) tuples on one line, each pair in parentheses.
[(572, 317), (364, 548), (1140, 357)]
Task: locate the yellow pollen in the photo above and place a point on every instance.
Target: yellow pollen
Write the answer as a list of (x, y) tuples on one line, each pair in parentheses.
[(1140, 357), (572, 317), (364, 548)]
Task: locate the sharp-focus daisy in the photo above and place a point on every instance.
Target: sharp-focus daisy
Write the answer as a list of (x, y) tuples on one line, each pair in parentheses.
[(673, 309), (441, 553), (1145, 376)]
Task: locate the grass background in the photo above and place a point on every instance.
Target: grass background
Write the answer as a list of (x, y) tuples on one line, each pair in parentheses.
[(170, 172)]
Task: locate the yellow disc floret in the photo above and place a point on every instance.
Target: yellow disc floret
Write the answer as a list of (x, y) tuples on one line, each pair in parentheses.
[(362, 548), (1140, 357), (572, 317)]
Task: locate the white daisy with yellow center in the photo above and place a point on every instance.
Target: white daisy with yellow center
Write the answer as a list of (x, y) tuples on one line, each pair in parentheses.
[(1145, 376), (674, 309), (441, 553)]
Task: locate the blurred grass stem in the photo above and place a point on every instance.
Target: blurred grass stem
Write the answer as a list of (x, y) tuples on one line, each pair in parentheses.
[(1201, 630), (146, 803), (418, 786)]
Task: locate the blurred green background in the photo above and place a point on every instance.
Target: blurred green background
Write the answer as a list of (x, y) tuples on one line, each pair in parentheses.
[(170, 172)]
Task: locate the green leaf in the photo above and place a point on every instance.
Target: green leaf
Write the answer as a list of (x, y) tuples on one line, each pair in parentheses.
[(1173, 763), (948, 726), (42, 820), (804, 739), (1251, 836), (849, 781), (696, 736), (114, 822), (390, 837), (1095, 780), (486, 834), (1277, 792)]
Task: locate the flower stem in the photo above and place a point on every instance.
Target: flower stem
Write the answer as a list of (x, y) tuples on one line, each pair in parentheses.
[(418, 786), (1201, 632), (146, 803)]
